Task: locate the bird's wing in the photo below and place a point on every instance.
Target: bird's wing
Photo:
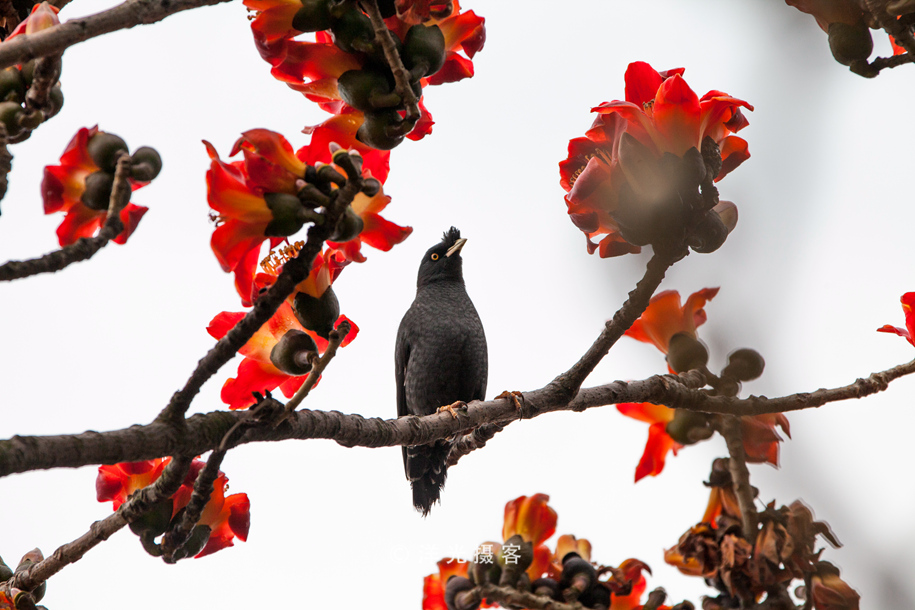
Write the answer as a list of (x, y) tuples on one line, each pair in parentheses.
[(401, 358)]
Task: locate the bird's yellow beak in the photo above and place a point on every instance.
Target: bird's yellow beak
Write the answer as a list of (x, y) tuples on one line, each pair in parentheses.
[(456, 247)]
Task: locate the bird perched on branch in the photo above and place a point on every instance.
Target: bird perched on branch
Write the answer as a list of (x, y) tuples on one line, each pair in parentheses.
[(440, 359)]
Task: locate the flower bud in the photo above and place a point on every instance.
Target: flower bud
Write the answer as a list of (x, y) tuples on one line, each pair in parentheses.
[(97, 194), (290, 354), (353, 31), (317, 314), (104, 149), (709, 235), (55, 100), (145, 164), (456, 597), (367, 89), (546, 587), (515, 557), (12, 87), (849, 43), (6, 572), (155, 521), (423, 50), (349, 226), (375, 131), (744, 364), (314, 16), (685, 353), (689, 427), (371, 187), (286, 219), (578, 576), (10, 115)]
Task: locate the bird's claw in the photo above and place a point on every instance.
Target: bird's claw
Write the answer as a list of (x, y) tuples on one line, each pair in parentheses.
[(514, 396), (458, 404)]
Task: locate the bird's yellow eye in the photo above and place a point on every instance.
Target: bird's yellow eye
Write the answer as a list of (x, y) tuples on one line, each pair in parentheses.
[(434, 256)]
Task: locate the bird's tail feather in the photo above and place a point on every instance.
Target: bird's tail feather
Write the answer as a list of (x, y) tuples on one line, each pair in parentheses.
[(427, 472)]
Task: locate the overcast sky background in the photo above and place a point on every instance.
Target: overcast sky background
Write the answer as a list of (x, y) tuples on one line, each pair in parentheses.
[(819, 259)]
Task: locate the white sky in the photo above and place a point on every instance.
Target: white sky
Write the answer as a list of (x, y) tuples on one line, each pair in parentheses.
[(819, 259)]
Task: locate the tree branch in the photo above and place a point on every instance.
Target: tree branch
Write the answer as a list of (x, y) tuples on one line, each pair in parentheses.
[(85, 247), (570, 381), (54, 41), (205, 431), (731, 430), (138, 504)]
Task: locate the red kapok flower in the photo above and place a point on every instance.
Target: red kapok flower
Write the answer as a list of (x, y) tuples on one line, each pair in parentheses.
[(661, 115), (434, 584), (908, 308), (42, 17), (116, 482), (665, 317), (659, 442), (62, 190), (257, 373), (227, 517), (531, 518)]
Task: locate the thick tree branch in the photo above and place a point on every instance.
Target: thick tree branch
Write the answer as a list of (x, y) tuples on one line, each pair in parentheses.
[(139, 503), (507, 596), (205, 431), (54, 41), (635, 305)]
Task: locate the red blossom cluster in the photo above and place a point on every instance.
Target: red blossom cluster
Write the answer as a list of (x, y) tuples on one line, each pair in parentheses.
[(671, 429), (343, 50), (524, 562), (627, 179), (223, 519)]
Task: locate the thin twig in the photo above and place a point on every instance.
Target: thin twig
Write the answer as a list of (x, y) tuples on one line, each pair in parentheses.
[(205, 431), (46, 74), (891, 62), (85, 247), (891, 25), (54, 41), (335, 338), (178, 534), (731, 430), (6, 160), (294, 271), (635, 305), (138, 504), (401, 74)]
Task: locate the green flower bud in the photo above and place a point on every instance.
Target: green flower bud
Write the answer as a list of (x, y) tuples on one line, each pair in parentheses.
[(10, 115), (97, 194), (12, 86), (423, 50), (367, 90), (290, 354), (744, 364), (317, 314), (314, 16), (375, 130), (155, 521), (455, 594), (55, 100), (849, 43), (353, 32), (349, 226), (105, 148), (286, 218), (28, 71), (685, 353), (689, 427), (145, 164), (709, 235)]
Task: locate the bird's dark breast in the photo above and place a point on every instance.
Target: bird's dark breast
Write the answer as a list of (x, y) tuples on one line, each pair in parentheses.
[(448, 360)]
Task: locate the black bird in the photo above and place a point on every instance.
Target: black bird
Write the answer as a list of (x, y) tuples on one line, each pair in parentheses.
[(440, 358)]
